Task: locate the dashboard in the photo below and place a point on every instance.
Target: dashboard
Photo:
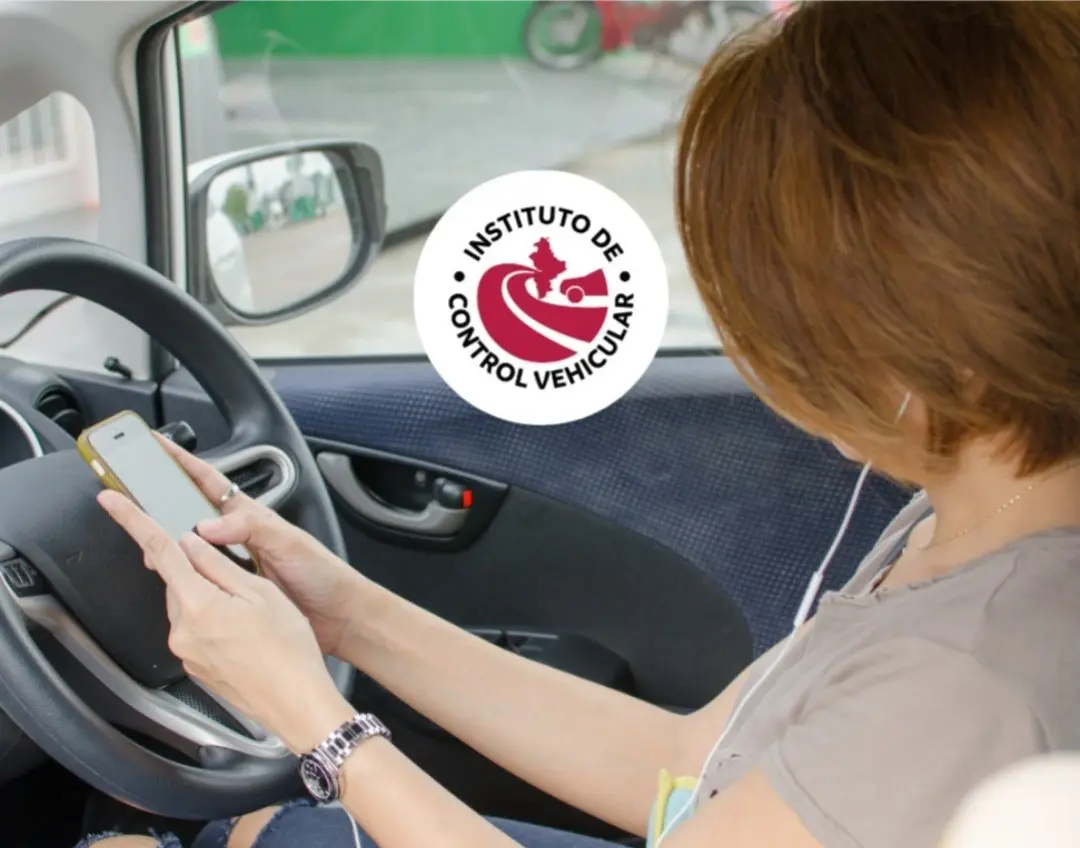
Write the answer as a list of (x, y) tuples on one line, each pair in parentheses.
[(41, 389), (67, 400)]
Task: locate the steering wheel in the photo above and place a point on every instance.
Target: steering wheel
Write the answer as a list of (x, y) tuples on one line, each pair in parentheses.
[(70, 575)]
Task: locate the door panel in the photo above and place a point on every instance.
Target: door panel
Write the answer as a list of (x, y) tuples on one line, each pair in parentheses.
[(689, 460), (549, 568)]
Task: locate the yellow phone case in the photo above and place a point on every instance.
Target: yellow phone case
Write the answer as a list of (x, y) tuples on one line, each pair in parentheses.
[(109, 479), (97, 462)]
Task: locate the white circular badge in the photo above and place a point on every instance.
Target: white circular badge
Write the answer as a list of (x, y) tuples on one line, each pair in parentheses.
[(541, 297)]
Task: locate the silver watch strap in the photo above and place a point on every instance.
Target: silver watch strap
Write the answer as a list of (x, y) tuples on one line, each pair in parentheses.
[(336, 747)]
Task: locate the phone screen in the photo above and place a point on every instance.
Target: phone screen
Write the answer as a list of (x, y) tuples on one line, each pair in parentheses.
[(154, 480)]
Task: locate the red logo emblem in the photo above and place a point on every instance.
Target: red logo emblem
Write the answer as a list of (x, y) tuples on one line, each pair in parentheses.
[(532, 322)]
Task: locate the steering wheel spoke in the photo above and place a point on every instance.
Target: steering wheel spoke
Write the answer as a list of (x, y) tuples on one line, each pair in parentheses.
[(183, 715)]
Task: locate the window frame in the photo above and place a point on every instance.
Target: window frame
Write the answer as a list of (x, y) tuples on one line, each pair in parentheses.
[(158, 75)]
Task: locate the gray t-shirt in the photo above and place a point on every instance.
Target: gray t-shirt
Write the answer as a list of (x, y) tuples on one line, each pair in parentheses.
[(894, 704)]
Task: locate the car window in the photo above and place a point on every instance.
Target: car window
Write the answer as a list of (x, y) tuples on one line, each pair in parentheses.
[(450, 94), (49, 183)]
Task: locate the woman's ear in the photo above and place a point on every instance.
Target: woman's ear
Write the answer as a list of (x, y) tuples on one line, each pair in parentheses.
[(846, 451), (907, 408)]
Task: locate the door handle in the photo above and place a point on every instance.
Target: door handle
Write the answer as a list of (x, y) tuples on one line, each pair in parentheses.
[(433, 520)]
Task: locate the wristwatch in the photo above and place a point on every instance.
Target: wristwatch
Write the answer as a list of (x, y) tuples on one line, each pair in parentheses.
[(320, 769)]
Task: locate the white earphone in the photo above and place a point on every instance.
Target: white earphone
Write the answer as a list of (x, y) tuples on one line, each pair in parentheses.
[(811, 594)]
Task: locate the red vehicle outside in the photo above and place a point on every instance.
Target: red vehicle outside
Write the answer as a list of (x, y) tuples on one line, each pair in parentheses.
[(570, 34)]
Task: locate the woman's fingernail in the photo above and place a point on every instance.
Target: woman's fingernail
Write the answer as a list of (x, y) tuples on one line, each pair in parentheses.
[(211, 525), (190, 541)]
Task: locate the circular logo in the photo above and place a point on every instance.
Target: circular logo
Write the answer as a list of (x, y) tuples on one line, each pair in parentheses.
[(541, 297)]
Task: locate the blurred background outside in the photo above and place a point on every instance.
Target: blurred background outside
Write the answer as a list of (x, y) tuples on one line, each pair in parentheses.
[(450, 92)]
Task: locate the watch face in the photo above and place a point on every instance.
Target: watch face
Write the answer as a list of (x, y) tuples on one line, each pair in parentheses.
[(318, 780)]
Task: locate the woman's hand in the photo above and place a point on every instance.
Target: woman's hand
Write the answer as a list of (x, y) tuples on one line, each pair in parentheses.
[(238, 634), (324, 587)]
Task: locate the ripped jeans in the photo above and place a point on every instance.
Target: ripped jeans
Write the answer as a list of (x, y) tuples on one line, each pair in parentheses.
[(166, 841), (302, 825)]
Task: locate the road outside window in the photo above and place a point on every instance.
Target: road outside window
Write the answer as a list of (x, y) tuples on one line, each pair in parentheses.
[(450, 94)]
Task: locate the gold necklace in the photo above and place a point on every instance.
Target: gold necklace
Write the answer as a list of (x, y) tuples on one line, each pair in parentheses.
[(937, 543)]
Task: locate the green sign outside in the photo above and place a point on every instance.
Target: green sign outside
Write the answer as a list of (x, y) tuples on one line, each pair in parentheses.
[(328, 29)]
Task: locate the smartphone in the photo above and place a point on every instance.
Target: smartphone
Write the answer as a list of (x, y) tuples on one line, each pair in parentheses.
[(125, 455)]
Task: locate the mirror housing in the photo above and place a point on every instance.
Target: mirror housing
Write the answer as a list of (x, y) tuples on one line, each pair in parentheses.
[(357, 169)]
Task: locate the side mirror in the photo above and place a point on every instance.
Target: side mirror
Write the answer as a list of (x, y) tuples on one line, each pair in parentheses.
[(282, 229)]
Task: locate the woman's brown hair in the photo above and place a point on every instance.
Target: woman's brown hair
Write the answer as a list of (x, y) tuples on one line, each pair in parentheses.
[(877, 197)]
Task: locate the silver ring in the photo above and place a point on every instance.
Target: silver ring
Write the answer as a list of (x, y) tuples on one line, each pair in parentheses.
[(230, 493)]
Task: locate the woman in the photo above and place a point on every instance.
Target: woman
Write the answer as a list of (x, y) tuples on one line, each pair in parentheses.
[(881, 207)]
